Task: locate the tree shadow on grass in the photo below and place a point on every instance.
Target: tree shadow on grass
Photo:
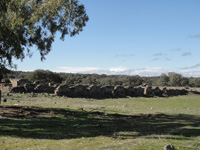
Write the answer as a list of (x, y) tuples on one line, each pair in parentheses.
[(48, 123)]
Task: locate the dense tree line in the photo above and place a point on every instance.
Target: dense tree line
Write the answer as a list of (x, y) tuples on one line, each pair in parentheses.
[(170, 79)]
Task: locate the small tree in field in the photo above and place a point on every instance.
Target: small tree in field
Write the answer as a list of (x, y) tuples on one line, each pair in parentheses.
[(174, 79), (45, 76), (163, 80)]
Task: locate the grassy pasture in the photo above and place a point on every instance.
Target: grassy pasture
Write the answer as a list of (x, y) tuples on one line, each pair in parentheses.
[(49, 122)]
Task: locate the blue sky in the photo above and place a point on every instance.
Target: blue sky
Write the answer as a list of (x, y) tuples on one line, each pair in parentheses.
[(134, 37)]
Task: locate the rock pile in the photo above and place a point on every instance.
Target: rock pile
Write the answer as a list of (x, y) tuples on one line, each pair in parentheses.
[(93, 91)]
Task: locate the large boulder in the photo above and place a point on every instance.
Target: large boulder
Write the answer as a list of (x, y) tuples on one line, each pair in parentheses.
[(148, 91), (44, 88), (78, 91), (63, 90), (5, 87), (29, 87), (53, 84), (157, 91), (18, 89), (130, 91), (94, 91), (193, 90), (168, 92), (5, 81), (169, 147), (119, 91), (174, 91), (182, 92), (139, 91), (18, 82), (107, 91)]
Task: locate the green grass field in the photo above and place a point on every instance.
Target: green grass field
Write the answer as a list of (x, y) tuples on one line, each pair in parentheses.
[(48, 122)]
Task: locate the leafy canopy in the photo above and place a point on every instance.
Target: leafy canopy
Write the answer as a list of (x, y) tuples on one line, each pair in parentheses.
[(45, 76), (27, 23)]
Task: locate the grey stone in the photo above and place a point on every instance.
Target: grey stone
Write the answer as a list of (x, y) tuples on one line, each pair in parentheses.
[(169, 147)]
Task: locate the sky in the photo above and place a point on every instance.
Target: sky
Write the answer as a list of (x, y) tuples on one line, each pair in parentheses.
[(131, 37)]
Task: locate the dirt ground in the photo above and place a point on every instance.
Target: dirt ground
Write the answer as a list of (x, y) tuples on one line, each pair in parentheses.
[(29, 111)]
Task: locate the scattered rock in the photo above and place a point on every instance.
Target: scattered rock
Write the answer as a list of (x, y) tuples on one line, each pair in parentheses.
[(169, 147)]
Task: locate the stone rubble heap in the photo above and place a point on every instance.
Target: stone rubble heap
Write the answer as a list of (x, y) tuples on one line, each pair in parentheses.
[(93, 91)]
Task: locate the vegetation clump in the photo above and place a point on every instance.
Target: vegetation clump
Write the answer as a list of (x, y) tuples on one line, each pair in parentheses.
[(44, 76)]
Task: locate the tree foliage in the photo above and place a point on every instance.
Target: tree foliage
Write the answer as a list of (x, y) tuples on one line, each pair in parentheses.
[(163, 80), (3, 71), (27, 23), (44, 76), (103, 80), (174, 79)]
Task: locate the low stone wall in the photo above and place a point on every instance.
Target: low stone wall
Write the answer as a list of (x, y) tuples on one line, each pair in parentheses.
[(93, 91), (99, 92), (29, 88), (24, 86)]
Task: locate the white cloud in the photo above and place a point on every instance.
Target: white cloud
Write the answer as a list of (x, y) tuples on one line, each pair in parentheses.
[(188, 73), (76, 69), (118, 69), (148, 71), (114, 70)]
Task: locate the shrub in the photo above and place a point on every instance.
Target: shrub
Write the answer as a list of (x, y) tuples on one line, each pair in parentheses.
[(44, 76)]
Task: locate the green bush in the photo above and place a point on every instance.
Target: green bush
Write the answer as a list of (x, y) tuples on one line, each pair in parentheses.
[(44, 76)]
